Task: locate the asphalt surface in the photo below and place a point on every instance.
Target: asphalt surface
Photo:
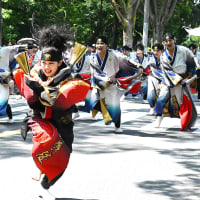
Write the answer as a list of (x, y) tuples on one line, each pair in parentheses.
[(143, 163)]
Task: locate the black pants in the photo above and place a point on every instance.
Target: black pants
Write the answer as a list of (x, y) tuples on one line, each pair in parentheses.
[(75, 109), (9, 111), (198, 83), (46, 184), (98, 107), (198, 87)]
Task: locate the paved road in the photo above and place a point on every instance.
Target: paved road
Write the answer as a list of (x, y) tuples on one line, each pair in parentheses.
[(143, 163)]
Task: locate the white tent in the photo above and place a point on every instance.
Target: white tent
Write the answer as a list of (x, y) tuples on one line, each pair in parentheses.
[(193, 31)]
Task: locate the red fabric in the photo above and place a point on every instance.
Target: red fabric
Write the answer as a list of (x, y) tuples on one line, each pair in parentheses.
[(185, 112), (49, 152), (48, 113), (25, 91), (72, 92), (123, 80), (86, 78), (125, 83), (135, 88), (193, 91), (148, 70)]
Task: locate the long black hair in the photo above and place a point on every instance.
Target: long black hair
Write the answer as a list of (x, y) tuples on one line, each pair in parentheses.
[(53, 36)]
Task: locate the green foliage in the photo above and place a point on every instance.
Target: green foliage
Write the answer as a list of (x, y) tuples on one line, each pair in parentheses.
[(185, 14), (83, 16), (192, 39), (15, 20), (88, 20), (22, 18)]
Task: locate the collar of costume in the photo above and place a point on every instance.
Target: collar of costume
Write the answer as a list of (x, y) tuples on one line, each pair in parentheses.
[(168, 56), (157, 62), (80, 66), (140, 61), (104, 61)]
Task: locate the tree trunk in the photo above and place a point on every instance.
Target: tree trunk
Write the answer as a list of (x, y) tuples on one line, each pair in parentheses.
[(158, 31), (160, 15), (100, 18), (115, 32), (146, 24), (128, 35), (126, 13)]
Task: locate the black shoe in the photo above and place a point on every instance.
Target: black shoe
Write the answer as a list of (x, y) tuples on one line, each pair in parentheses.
[(45, 183)]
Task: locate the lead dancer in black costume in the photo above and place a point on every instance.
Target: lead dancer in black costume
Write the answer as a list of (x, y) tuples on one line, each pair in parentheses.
[(45, 86)]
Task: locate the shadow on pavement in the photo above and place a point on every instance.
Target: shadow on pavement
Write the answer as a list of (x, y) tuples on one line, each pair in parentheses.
[(11, 146), (172, 189), (163, 187), (186, 188)]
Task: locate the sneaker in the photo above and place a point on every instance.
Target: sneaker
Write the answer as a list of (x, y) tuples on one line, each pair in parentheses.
[(75, 115), (151, 111), (144, 101), (94, 119), (118, 130), (11, 121), (122, 97), (158, 121)]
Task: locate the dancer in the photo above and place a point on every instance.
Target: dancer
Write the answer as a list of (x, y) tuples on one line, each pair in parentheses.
[(155, 77), (105, 95), (143, 59), (51, 95), (128, 76), (178, 67), (193, 48), (6, 55), (82, 70)]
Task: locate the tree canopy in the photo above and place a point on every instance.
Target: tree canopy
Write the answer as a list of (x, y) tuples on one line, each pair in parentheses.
[(87, 19)]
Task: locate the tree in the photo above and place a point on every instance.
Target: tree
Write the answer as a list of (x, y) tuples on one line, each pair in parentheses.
[(16, 20), (126, 13), (160, 12), (23, 18), (85, 18), (146, 24), (185, 14)]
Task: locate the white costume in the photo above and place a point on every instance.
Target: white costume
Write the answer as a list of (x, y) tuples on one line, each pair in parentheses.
[(154, 80), (6, 55), (83, 68), (104, 91), (175, 73), (144, 61)]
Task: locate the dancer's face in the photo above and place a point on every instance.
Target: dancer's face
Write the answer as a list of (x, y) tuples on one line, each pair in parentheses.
[(50, 68), (169, 43), (193, 50), (101, 47), (157, 53), (139, 53)]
